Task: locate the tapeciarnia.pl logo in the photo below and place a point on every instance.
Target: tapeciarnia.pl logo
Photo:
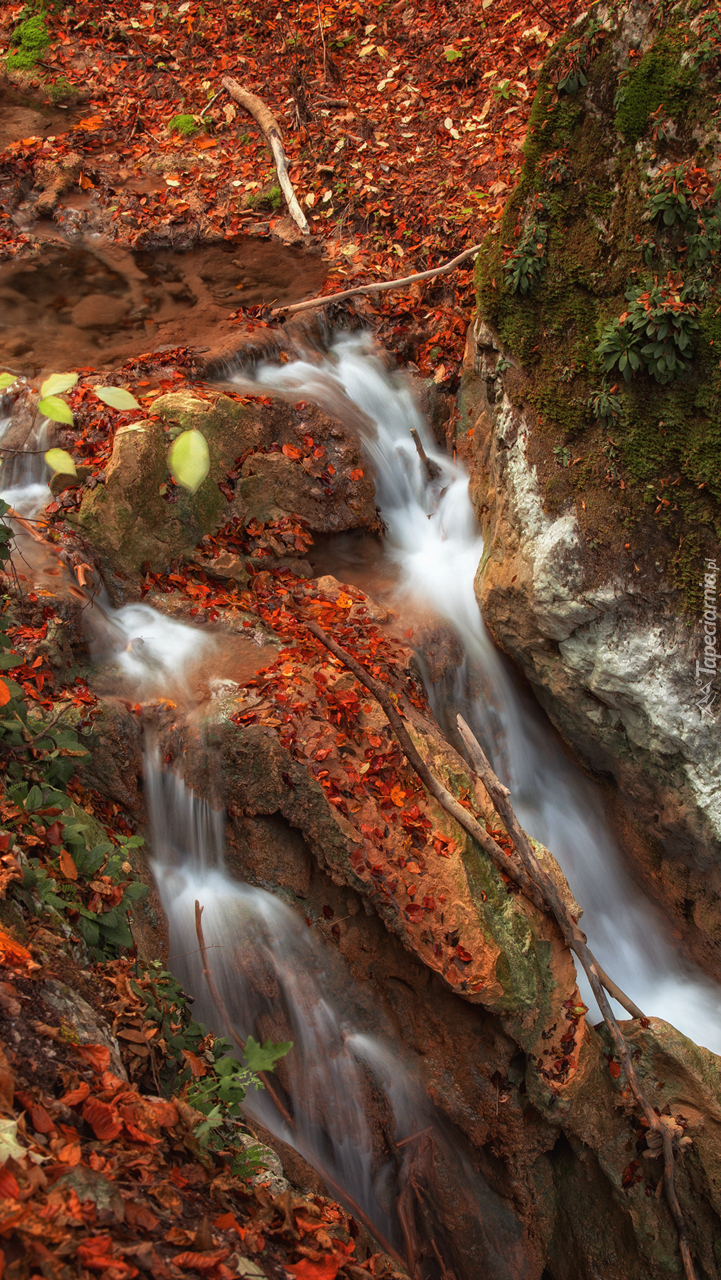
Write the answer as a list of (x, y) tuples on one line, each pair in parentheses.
[(706, 670)]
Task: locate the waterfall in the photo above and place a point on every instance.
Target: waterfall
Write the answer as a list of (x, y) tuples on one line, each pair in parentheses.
[(434, 541)]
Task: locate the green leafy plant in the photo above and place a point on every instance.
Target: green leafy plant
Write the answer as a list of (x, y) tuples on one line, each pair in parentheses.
[(503, 90), (562, 455), (576, 59), (605, 405), (524, 265), (654, 334)]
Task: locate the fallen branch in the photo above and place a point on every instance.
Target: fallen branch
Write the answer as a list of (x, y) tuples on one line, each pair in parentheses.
[(541, 890), (510, 865), (334, 1186), (380, 285), (267, 122)]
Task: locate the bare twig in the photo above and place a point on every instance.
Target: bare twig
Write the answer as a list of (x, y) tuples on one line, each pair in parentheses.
[(271, 131), (380, 285), (208, 105), (431, 468)]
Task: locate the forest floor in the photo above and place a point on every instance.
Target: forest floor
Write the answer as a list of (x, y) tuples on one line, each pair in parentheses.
[(404, 127)]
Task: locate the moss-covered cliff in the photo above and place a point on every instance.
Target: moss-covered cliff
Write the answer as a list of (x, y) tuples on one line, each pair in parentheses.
[(602, 281)]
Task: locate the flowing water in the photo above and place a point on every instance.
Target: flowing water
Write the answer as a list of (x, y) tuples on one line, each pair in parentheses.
[(433, 538), (271, 970)]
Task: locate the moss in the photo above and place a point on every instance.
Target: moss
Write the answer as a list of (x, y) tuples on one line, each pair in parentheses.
[(186, 126), (31, 39), (659, 78)]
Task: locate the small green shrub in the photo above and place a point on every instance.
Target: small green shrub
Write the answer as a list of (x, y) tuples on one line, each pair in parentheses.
[(525, 264), (654, 335), (186, 126)]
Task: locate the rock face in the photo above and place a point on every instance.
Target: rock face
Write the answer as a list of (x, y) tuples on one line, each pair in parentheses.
[(139, 517), (593, 578)]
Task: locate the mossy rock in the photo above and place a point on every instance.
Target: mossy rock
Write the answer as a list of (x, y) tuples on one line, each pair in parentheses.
[(591, 161)]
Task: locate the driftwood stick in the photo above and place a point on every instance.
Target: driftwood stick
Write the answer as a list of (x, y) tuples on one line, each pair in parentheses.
[(598, 979), (431, 468), (271, 131), (379, 285), (574, 936), (508, 864), (334, 1186)]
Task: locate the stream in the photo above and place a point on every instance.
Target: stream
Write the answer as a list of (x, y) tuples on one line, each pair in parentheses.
[(268, 965)]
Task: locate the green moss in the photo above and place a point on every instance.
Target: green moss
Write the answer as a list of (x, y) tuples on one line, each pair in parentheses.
[(31, 39), (659, 78), (187, 126)]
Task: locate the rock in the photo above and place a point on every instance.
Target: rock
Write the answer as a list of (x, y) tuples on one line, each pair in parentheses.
[(81, 1019), (133, 519), (99, 311)]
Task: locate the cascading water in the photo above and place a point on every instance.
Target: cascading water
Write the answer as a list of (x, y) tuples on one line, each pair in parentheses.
[(434, 540)]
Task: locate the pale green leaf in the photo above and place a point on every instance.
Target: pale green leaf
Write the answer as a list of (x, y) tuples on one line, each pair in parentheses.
[(7, 380), (60, 461), (116, 397), (56, 409), (58, 382), (9, 1145), (189, 460)]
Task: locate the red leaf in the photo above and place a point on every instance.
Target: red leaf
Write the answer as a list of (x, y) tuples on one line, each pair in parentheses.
[(5, 694), (463, 954), (614, 1070), (97, 1056), (9, 1189), (290, 451), (103, 1119), (203, 1261), (54, 833), (76, 1096), (324, 1269)]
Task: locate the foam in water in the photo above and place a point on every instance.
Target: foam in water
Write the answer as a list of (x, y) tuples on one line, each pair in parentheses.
[(433, 536)]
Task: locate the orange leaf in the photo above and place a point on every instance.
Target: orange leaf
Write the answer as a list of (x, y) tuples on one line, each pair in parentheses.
[(614, 1070), (228, 1222), (9, 1189), (357, 474), (67, 866), (97, 1056), (74, 1096), (5, 694), (397, 796), (202, 1261), (197, 1066), (290, 451), (12, 952), (325, 1269), (165, 1114), (103, 1119)]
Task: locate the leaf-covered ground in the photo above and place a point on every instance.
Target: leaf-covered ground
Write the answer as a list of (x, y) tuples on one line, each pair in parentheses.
[(403, 125)]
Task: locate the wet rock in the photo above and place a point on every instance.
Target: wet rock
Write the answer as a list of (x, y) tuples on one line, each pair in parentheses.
[(82, 1020), (134, 519)]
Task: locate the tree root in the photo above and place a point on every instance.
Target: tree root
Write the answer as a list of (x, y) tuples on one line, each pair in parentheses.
[(538, 886), (380, 285)]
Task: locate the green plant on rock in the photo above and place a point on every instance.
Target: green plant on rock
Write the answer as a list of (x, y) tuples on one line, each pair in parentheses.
[(187, 126), (660, 78), (654, 334), (524, 265), (31, 39), (605, 405), (576, 59)]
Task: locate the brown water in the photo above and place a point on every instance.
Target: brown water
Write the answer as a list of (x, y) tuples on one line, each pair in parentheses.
[(63, 306)]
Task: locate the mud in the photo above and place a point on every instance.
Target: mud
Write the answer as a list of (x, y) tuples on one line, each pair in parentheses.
[(70, 305), (26, 115)]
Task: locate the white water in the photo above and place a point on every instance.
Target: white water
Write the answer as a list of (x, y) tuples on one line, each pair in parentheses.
[(433, 537)]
